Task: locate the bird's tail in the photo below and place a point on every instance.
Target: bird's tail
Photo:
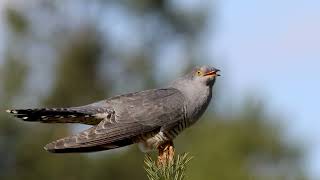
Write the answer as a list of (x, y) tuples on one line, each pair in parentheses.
[(55, 115)]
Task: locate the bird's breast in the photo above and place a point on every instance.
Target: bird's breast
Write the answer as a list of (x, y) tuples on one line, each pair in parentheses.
[(198, 104)]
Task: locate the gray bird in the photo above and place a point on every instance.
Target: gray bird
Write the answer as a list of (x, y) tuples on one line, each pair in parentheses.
[(151, 118)]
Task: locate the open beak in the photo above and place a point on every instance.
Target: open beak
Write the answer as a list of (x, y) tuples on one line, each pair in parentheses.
[(213, 73)]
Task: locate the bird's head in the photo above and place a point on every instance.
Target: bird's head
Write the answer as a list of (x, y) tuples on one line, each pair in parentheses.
[(199, 76), (205, 74)]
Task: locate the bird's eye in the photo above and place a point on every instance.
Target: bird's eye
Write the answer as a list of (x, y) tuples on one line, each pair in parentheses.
[(199, 73)]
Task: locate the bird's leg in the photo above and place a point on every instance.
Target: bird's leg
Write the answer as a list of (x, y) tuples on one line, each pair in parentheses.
[(166, 153)]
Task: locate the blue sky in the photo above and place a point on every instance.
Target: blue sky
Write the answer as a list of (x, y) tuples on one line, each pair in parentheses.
[(272, 48)]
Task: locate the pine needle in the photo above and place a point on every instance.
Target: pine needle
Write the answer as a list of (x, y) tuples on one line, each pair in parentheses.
[(176, 170)]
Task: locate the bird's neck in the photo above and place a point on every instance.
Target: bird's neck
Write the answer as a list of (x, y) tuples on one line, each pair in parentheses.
[(197, 99)]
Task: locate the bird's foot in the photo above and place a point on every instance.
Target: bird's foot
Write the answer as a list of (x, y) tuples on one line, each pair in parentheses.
[(166, 153)]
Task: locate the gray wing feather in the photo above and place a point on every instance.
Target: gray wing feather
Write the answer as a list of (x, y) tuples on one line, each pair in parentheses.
[(134, 115)]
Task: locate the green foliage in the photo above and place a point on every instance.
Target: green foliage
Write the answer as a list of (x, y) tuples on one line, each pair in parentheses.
[(13, 75), (77, 78), (236, 148), (175, 170), (16, 21)]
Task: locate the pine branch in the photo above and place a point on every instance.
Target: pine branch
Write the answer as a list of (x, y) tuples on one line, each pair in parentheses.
[(175, 170)]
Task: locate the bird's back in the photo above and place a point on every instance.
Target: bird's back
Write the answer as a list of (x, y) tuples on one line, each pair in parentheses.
[(150, 106)]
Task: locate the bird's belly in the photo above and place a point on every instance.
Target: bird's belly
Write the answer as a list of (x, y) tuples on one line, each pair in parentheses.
[(152, 143)]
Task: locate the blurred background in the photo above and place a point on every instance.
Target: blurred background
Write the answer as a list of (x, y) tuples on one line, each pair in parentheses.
[(262, 123)]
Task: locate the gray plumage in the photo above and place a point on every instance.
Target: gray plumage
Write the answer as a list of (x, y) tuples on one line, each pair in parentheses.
[(149, 117)]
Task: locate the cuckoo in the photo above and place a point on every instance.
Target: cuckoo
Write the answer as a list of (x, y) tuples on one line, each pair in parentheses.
[(150, 118)]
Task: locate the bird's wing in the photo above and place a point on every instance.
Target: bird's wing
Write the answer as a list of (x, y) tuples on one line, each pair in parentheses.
[(135, 115)]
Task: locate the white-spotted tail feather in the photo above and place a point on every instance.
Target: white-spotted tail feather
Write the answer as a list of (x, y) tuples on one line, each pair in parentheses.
[(55, 115)]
